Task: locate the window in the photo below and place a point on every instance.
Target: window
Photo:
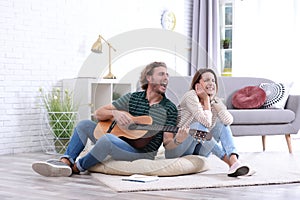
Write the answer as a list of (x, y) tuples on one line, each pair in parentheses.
[(226, 25)]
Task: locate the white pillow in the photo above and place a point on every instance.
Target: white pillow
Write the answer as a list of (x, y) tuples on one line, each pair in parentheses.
[(159, 167), (277, 94)]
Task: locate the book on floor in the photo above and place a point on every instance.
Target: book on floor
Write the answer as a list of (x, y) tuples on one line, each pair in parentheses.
[(141, 178)]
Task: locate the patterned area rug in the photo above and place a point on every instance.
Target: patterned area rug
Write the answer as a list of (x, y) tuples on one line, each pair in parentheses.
[(270, 168)]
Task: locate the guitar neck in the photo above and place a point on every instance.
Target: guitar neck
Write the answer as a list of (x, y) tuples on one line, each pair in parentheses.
[(172, 129), (197, 134)]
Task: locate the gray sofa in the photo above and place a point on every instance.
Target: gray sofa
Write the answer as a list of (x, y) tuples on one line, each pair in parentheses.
[(248, 122)]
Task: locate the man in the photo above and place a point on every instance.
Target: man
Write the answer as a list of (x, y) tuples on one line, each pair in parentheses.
[(150, 102)]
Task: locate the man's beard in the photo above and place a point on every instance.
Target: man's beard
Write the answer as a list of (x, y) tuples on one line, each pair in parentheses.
[(157, 86)]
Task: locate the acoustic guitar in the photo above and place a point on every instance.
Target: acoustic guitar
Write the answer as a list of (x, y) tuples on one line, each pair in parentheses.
[(140, 126), (111, 126)]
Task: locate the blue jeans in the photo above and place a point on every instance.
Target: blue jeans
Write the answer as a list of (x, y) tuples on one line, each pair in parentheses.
[(107, 145), (220, 145)]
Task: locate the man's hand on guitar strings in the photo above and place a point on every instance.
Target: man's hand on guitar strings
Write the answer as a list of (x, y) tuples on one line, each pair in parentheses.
[(122, 118)]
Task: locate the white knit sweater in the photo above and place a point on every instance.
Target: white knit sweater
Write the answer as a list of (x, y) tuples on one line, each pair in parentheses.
[(191, 110)]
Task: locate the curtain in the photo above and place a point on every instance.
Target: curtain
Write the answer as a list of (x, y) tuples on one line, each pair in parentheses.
[(205, 35)]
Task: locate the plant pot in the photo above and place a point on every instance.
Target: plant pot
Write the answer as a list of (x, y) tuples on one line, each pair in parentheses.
[(61, 126), (61, 144), (225, 45), (62, 123)]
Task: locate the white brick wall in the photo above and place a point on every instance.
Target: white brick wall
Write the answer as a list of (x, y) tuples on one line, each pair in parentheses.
[(39, 45), (44, 41)]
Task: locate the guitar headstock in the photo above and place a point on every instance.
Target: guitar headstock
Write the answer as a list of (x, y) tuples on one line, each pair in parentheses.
[(200, 135)]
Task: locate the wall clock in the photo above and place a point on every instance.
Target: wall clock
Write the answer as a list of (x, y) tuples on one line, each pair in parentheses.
[(168, 20)]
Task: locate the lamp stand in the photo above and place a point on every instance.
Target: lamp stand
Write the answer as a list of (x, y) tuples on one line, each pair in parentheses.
[(97, 48), (109, 75)]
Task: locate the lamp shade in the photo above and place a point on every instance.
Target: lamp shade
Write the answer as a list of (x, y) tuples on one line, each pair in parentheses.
[(97, 46)]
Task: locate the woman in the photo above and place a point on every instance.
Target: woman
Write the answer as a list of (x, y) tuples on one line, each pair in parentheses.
[(201, 109)]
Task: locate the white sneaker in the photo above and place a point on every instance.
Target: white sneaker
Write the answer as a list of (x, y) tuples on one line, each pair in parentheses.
[(52, 168), (238, 169)]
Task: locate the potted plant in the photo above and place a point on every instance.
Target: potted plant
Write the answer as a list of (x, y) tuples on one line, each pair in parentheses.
[(226, 43), (61, 116)]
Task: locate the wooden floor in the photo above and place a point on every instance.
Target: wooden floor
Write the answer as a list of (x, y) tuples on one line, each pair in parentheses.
[(18, 181)]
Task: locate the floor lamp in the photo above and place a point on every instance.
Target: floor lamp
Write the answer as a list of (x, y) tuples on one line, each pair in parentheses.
[(97, 48)]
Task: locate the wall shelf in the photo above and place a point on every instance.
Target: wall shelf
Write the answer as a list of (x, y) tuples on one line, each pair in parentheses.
[(91, 93)]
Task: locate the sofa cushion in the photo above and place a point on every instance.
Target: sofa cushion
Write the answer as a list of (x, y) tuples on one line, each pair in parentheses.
[(262, 116), (277, 94), (228, 85), (249, 97)]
